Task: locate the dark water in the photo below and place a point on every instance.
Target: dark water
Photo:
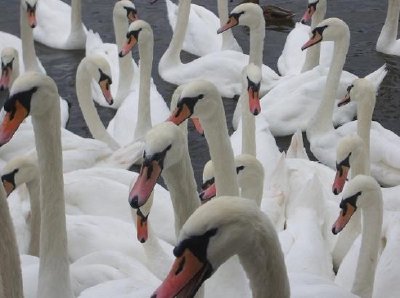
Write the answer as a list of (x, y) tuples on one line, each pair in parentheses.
[(364, 17)]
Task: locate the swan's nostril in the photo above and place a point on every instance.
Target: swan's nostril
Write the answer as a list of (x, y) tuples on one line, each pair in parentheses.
[(134, 202)]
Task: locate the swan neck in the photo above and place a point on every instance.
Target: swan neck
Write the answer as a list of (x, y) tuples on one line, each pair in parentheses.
[(10, 266), (28, 49), (34, 197), (76, 16), (321, 122), (144, 124), (223, 13), (54, 276), (90, 114), (248, 126), (389, 30), (216, 132), (360, 164), (182, 20), (265, 268), (367, 260), (126, 69), (257, 35), (253, 190), (319, 14), (183, 190), (364, 116)]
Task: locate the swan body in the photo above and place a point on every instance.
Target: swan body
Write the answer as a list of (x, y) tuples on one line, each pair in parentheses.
[(293, 60), (203, 25), (387, 41), (227, 77), (60, 25)]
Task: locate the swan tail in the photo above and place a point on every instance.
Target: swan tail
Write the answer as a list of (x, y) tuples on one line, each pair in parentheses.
[(296, 148), (377, 76), (93, 41)]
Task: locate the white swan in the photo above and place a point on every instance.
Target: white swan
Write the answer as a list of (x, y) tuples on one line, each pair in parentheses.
[(10, 269), (292, 103), (10, 68), (203, 25), (122, 69), (60, 25), (363, 192), (219, 229), (54, 277), (385, 160), (140, 110), (387, 41), (292, 59), (227, 77)]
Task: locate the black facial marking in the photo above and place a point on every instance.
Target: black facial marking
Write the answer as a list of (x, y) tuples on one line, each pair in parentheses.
[(158, 157), (104, 77), (10, 178), (313, 5), (239, 168), (350, 200), (196, 244), (8, 65), (130, 10), (23, 97), (30, 8), (236, 15), (344, 163), (253, 86), (208, 183), (349, 88), (134, 34), (190, 102), (319, 30)]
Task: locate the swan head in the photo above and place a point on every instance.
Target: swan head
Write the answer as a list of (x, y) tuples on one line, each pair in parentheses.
[(142, 215), (212, 234), (164, 146), (249, 170), (245, 14), (331, 29), (252, 80), (9, 67), (29, 6), (19, 170), (361, 90), (312, 8), (125, 9), (137, 32), (355, 196), (99, 68), (199, 99), (31, 94)]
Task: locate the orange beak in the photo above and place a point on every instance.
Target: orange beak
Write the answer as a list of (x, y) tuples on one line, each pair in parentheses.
[(8, 187), (312, 41), (11, 122), (197, 125), (343, 218), (254, 102), (105, 89), (209, 193), (340, 180), (5, 78), (232, 22), (128, 46), (308, 14), (180, 114), (345, 100), (141, 226), (32, 17)]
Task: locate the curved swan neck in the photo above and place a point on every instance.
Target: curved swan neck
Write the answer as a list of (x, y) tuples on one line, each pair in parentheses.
[(28, 49), (34, 197), (175, 46), (143, 124), (216, 132), (389, 30), (182, 188), (265, 266), (248, 126), (88, 108), (367, 260), (321, 121), (10, 266), (54, 276), (126, 69)]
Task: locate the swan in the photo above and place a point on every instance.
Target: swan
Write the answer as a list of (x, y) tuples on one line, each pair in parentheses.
[(387, 41), (202, 26), (385, 162), (10, 269), (291, 104), (54, 277), (60, 25), (294, 61), (220, 229), (9, 67), (150, 106), (227, 76), (123, 69), (363, 192)]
